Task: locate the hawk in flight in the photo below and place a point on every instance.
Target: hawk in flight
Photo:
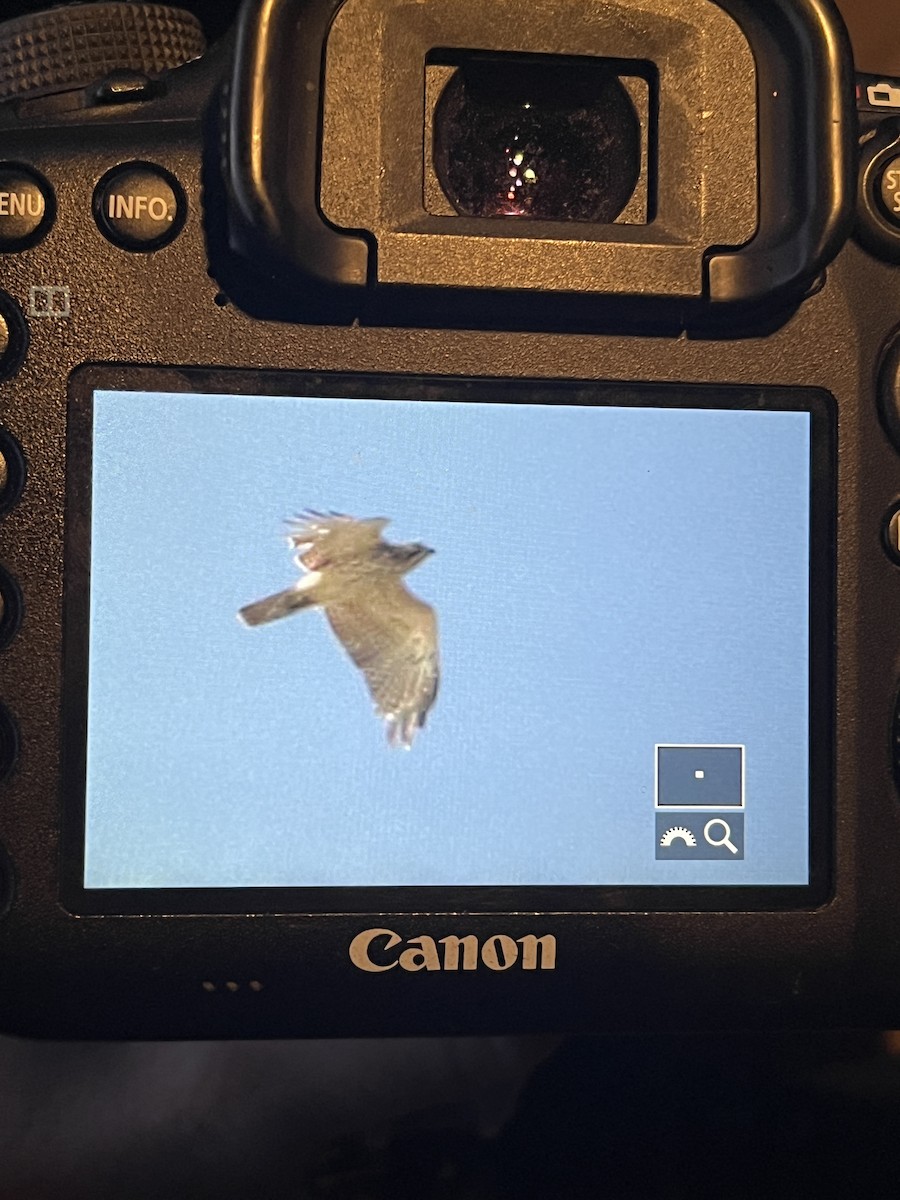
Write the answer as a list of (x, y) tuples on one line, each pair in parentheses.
[(357, 578)]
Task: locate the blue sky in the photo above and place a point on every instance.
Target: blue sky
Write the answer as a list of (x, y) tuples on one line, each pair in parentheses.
[(605, 579)]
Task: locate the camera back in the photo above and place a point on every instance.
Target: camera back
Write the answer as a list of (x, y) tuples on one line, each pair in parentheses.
[(450, 520)]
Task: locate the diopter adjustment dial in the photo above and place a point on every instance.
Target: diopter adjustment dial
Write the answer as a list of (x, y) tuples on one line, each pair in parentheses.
[(68, 48)]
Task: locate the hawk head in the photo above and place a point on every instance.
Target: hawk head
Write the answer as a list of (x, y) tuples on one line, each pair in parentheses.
[(406, 555)]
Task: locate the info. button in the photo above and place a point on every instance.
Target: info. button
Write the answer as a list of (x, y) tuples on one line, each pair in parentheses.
[(139, 206)]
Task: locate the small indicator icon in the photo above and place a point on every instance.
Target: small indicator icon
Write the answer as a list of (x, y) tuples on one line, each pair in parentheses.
[(699, 837), (50, 301), (678, 833), (725, 839), (694, 777), (883, 95)]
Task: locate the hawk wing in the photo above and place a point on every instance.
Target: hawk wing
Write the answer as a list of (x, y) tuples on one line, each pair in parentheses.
[(392, 637), (327, 538)]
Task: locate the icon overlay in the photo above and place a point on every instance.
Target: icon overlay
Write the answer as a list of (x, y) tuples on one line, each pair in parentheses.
[(699, 795)]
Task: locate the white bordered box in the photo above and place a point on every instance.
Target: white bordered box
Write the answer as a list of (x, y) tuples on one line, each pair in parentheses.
[(693, 778)]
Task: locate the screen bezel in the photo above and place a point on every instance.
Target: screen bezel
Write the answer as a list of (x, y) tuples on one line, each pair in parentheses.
[(463, 899)]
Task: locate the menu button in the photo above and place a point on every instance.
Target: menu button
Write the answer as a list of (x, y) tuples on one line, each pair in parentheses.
[(26, 207)]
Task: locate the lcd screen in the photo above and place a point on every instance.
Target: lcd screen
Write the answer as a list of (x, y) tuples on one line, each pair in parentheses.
[(572, 650)]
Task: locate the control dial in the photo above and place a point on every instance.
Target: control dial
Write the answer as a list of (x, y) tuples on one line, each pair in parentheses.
[(63, 49)]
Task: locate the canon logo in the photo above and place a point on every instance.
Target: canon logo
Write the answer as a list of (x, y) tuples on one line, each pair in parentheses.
[(372, 949)]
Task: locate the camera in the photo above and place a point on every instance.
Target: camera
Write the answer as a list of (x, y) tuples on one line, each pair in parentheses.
[(451, 520)]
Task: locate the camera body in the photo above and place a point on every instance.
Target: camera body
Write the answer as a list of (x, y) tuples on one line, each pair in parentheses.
[(268, 223)]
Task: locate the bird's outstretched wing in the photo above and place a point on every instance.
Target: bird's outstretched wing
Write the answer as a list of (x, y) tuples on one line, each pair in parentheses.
[(327, 538), (392, 637), (282, 604)]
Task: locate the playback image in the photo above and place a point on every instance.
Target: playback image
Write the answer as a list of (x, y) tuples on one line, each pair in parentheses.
[(398, 642)]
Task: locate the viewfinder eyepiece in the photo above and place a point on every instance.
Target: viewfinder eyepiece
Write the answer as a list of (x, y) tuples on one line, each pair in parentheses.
[(549, 140)]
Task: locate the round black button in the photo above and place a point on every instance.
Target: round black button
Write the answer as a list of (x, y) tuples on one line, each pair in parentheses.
[(10, 608), (9, 743), (890, 534), (889, 389), (878, 194), (887, 190), (26, 207), (12, 470), (13, 336), (139, 206)]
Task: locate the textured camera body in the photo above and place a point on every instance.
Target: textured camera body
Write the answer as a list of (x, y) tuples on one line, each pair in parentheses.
[(232, 285)]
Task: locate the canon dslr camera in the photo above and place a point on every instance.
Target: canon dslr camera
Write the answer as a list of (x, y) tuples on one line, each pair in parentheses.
[(451, 520)]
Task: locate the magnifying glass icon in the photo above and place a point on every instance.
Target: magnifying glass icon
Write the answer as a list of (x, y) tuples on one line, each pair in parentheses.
[(725, 839)]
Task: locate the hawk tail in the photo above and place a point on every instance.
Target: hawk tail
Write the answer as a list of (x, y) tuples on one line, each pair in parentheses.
[(273, 608)]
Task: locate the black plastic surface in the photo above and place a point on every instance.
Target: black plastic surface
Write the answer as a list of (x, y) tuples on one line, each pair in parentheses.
[(272, 156), (807, 149), (7, 882)]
